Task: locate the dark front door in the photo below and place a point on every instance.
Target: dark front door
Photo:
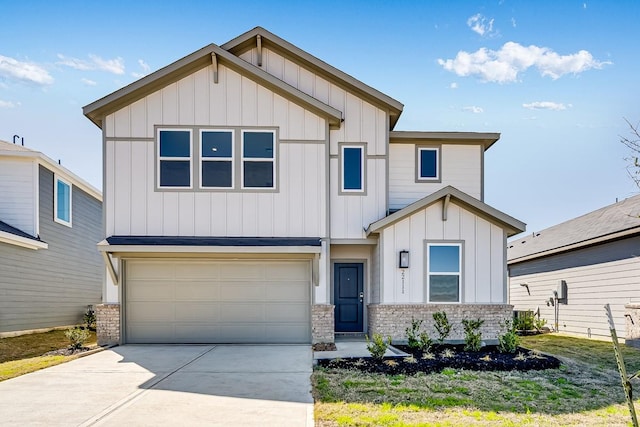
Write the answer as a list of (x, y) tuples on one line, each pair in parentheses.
[(348, 296)]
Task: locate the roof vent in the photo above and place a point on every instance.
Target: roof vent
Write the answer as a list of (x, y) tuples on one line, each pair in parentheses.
[(18, 137)]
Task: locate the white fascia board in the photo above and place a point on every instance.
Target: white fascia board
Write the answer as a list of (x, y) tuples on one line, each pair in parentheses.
[(209, 249), (12, 239)]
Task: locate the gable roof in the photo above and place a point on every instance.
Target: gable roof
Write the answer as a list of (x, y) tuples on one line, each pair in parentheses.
[(9, 150), (487, 139), (608, 223), (245, 41), (14, 236), (193, 62), (510, 224)]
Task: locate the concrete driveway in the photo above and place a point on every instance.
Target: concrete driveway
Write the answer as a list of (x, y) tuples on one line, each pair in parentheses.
[(154, 385)]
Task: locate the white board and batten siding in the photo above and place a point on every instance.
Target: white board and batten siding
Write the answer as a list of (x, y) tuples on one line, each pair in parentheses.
[(590, 287), (364, 123), (483, 270), (461, 168), (133, 205), (19, 194)]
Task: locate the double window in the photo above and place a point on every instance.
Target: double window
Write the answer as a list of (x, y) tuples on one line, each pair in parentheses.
[(62, 201), (444, 272), (427, 164), (222, 162), (352, 169)]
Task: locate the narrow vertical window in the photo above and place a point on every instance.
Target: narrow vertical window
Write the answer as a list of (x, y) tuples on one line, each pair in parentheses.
[(62, 201), (216, 158), (352, 169), (444, 272), (258, 159), (428, 164), (174, 158)]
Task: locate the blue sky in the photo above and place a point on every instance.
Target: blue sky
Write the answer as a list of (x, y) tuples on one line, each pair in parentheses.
[(556, 78)]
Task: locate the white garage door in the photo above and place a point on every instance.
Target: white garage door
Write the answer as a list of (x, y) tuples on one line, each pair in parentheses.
[(230, 301)]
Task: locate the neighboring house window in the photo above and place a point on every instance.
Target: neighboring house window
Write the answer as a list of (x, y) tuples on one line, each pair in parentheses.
[(216, 158), (444, 272), (258, 159), (174, 158), (428, 164), (352, 169), (62, 201)]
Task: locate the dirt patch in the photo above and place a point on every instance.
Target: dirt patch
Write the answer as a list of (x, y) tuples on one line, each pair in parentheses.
[(441, 357), (69, 351), (324, 346)]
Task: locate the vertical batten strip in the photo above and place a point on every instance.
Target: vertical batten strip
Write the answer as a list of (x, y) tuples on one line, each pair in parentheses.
[(259, 46), (214, 62)]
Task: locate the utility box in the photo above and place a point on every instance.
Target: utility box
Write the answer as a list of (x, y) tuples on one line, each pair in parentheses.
[(562, 292)]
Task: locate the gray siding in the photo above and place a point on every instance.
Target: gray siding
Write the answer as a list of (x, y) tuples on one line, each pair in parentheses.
[(52, 287), (606, 273)]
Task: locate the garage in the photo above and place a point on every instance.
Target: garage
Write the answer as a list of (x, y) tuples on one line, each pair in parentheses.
[(217, 301)]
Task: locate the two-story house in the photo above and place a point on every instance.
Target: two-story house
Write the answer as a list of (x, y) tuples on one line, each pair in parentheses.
[(50, 221), (254, 193)]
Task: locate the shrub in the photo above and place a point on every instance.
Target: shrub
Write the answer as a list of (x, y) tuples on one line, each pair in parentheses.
[(417, 339), (472, 334), (378, 346), (442, 325), (509, 341), (524, 321), (77, 337), (89, 318), (539, 324)]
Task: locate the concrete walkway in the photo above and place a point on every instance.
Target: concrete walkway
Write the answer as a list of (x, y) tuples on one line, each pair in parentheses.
[(161, 385)]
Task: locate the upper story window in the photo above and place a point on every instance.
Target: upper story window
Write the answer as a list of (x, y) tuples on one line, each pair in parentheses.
[(216, 158), (258, 159), (174, 158), (200, 158), (352, 168), (427, 164), (444, 272), (62, 201)]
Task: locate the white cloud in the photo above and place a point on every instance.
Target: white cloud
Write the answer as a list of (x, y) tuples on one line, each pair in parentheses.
[(453, 85), (145, 67), (88, 82), (546, 105), (24, 72), (473, 109), (115, 66), (7, 104), (138, 75), (480, 24), (505, 65), (513, 22)]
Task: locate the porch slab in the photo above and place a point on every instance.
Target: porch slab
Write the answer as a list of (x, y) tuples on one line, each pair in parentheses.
[(354, 348)]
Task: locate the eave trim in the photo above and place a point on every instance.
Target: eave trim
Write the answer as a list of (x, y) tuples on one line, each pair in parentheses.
[(24, 242)]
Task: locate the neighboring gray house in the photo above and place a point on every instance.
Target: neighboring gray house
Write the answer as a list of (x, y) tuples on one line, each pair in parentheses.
[(596, 255), (50, 221), (254, 193)]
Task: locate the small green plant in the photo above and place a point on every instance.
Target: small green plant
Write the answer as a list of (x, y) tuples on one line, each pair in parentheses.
[(448, 353), (442, 325), (378, 346), (524, 321), (520, 356), (415, 338), (509, 341), (539, 323), (536, 354), (472, 334), (77, 337), (410, 359), (89, 318), (428, 355)]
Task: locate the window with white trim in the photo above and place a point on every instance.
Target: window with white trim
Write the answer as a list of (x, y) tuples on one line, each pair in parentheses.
[(352, 168), (258, 158), (62, 201), (428, 164), (175, 157), (216, 158), (444, 272)]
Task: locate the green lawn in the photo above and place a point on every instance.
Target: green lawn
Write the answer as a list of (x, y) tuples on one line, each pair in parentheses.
[(23, 354), (586, 390)]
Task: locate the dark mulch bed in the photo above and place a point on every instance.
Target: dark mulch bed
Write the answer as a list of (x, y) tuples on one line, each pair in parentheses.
[(487, 359), (68, 351)]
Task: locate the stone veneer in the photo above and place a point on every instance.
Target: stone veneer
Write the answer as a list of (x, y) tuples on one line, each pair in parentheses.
[(392, 319), (632, 319), (108, 324), (322, 324)]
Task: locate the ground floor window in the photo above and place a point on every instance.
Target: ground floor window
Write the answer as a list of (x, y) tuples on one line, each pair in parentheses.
[(443, 271)]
